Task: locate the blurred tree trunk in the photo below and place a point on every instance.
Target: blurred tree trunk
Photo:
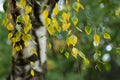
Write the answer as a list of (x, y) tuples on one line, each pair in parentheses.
[(28, 63)]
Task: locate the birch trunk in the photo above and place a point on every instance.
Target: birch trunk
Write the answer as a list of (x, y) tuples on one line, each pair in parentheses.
[(21, 67)]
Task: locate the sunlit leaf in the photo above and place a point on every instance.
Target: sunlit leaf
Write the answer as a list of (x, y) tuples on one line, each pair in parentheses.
[(88, 29), (106, 36)]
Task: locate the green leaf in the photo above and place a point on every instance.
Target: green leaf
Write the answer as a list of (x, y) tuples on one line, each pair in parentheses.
[(67, 55), (75, 20), (18, 27), (76, 6), (88, 30), (97, 55), (5, 6), (118, 50)]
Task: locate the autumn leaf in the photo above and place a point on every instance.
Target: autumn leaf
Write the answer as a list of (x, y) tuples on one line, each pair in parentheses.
[(34, 52)]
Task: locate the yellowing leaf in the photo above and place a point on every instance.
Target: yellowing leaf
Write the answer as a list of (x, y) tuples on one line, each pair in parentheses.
[(22, 3), (28, 9), (32, 73), (9, 16), (66, 16), (10, 35), (56, 10), (5, 21), (106, 36), (72, 40), (88, 30), (26, 37), (34, 52), (47, 22), (75, 52), (65, 26), (96, 39), (55, 23), (26, 19), (66, 54), (45, 14), (10, 27), (75, 20), (18, 47), (76, 6), (51, 29)]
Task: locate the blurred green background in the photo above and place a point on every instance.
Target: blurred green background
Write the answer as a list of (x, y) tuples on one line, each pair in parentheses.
[(102, 14)]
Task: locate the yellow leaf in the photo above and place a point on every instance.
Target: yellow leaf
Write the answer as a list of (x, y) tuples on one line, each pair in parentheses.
[(65, 26), (45, 14), (10, 27), (10, 35), (72, 40), (106, 36), (28, 9), (9, 15), (5, 21), (75, 52), (31, 63), (55, 23), (26, 19), (34, 52), (47, 22), (97, 39), (67, 2), (32, 73), (26, 43), (18, 47), (22, 3), (56, 10), (66, 16), (51, 29)]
